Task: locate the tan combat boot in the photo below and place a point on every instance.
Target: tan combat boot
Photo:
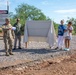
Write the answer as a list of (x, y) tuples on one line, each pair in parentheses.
[(10, 52), (7, 54)]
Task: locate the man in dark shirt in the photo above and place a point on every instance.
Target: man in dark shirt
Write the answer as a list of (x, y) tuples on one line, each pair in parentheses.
[(17, 34)]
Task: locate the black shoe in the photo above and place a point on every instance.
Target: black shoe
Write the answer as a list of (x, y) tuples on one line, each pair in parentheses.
[(50, 47), (61, 49), (56, 48), (14, 48), (19, 48)]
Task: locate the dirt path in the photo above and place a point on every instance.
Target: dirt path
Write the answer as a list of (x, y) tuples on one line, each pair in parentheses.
[(55, 66)]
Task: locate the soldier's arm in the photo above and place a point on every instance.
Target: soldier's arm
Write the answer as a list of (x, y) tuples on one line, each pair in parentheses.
[(5, 28)]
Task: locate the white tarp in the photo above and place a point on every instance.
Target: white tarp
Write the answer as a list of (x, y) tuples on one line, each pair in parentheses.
[(40, 31)]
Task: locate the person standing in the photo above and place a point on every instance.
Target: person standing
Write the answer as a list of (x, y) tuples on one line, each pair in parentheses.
[(68, 36), (61, 30), (17, 34), (7, 36)]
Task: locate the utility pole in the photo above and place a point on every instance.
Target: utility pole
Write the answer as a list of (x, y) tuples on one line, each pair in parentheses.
[(8, 6)]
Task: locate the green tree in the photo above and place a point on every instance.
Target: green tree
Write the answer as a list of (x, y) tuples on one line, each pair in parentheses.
[(11, 14), (27, 12), (56, 27)]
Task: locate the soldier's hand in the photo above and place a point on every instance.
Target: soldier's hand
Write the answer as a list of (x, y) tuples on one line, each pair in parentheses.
[(10, 28)]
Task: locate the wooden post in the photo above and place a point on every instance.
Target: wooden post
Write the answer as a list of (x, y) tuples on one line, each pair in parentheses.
[(25, 44)]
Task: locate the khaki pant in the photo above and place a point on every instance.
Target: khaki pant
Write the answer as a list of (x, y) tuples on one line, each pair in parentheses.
[(19, 40), (8, 41)]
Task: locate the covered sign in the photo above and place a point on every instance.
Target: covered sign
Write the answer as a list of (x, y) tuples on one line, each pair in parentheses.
[(40, 31), (3, 15)]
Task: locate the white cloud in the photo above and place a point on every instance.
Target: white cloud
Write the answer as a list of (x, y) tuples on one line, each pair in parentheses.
[(66, 11), (45, 3)]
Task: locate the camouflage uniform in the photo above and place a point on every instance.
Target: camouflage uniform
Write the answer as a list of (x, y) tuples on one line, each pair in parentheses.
[(17, 35), (7, 36)]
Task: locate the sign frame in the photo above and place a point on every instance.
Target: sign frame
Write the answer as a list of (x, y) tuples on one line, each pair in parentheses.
[(3, 16)]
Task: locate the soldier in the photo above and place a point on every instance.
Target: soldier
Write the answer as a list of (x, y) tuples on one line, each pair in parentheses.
[(7, 36), (17, 34)]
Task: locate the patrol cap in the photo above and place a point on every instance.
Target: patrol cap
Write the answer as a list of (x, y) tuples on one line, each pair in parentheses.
[(7, 19), (18, 19)]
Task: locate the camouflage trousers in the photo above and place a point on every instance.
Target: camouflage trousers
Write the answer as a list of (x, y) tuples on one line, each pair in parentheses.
[(8, 41), (19, 41)]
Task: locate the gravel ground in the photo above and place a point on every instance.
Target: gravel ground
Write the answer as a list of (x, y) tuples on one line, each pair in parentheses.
[(35, 51)]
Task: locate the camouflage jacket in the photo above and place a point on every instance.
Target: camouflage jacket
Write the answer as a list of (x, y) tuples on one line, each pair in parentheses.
[(18, 29), (7, 31)]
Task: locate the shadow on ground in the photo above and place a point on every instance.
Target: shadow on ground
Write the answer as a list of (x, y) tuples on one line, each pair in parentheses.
[(37, 51), (34, 51)]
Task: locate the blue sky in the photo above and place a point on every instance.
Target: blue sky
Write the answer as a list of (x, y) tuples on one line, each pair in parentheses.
[(55, 9)]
